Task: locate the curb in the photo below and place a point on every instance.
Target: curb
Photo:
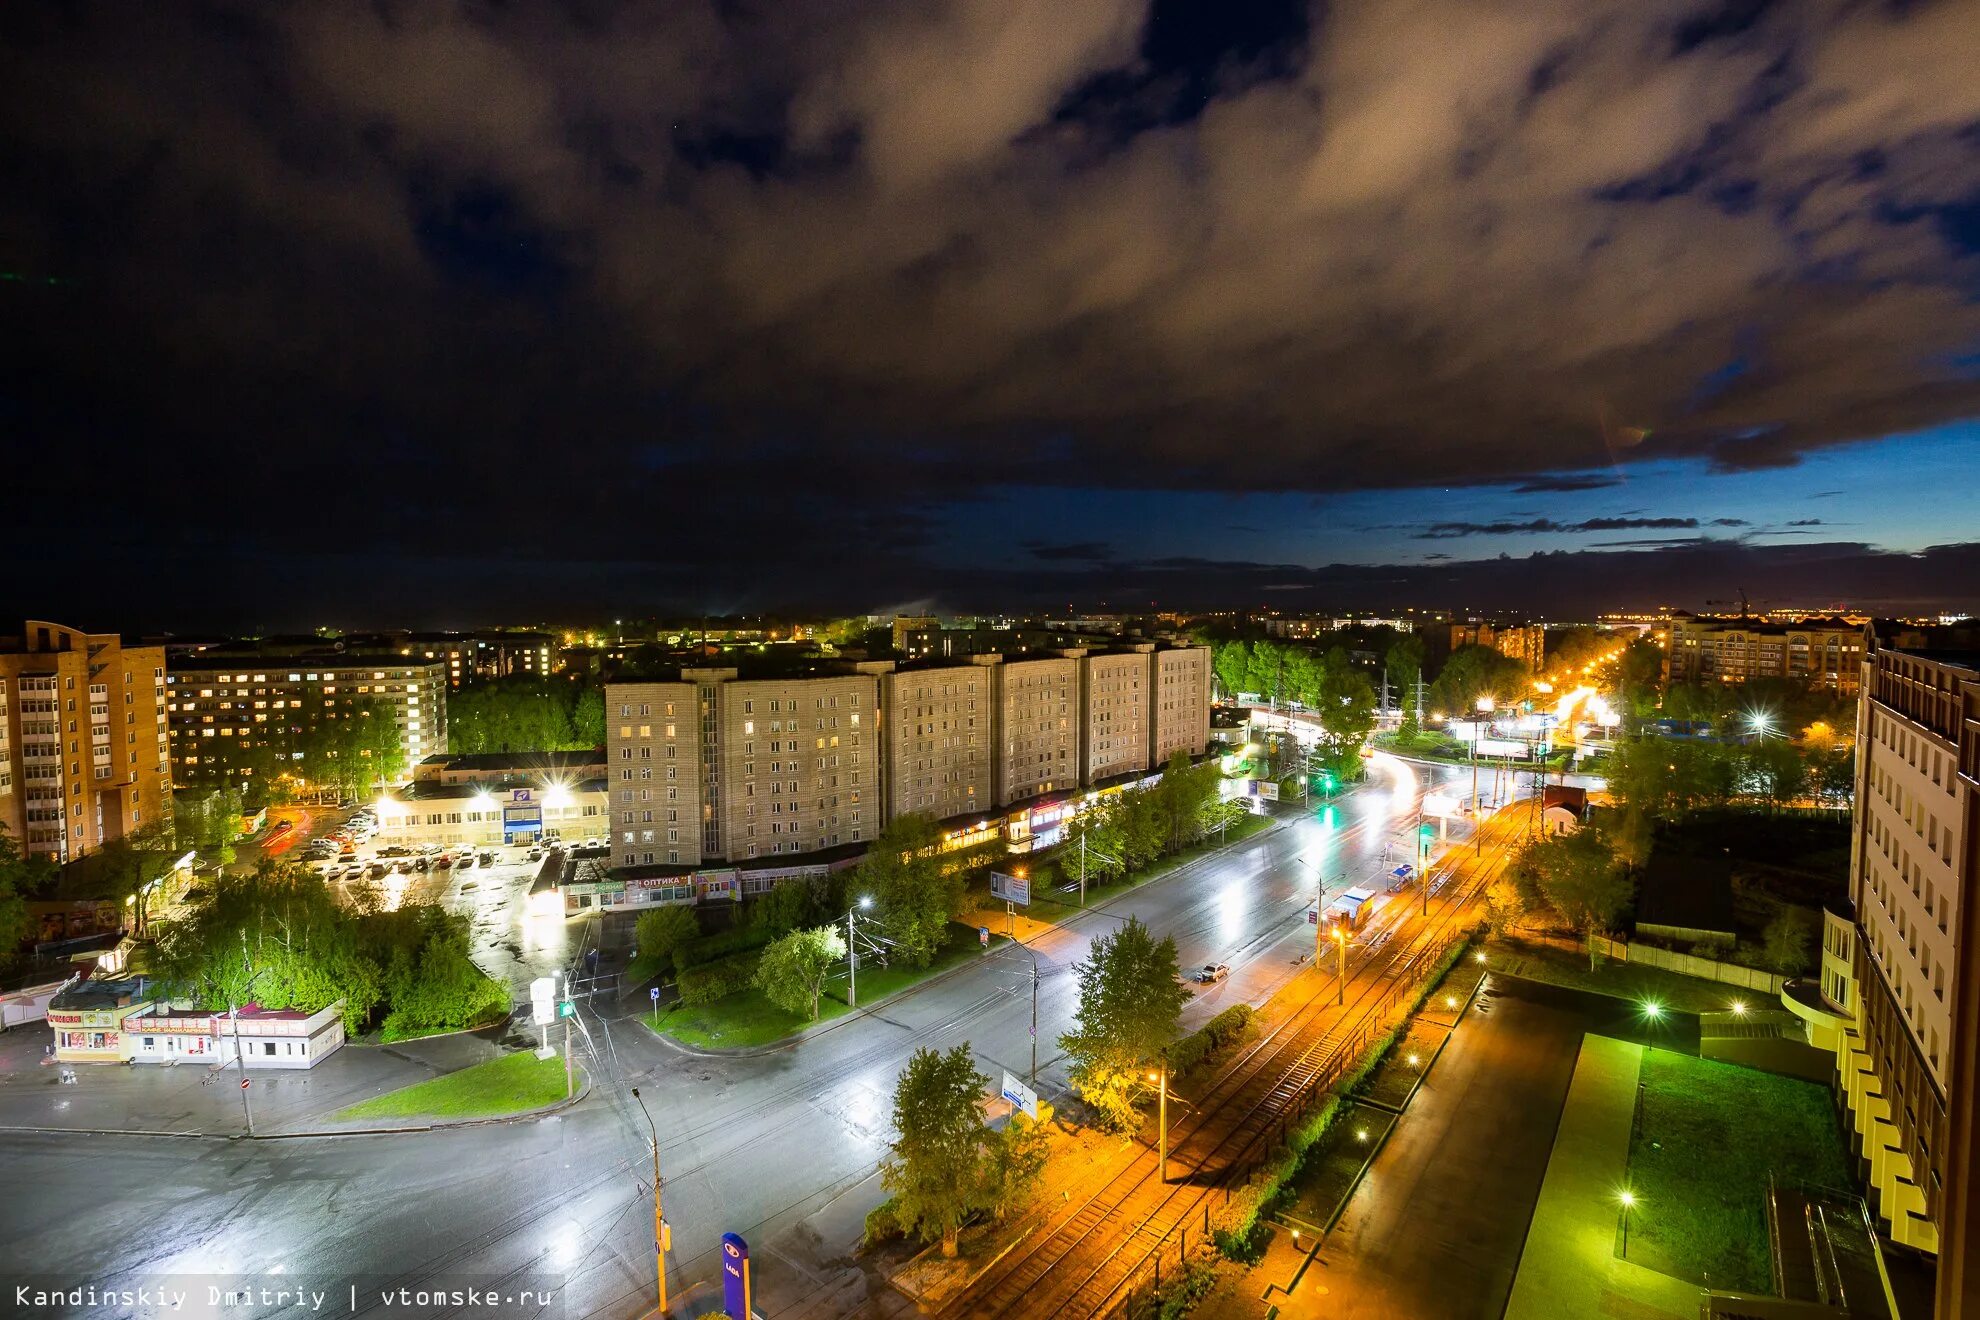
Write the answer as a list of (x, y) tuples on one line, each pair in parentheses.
[(797, 1038), (527, 1117)]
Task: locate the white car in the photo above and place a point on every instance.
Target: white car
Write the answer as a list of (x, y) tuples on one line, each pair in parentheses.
[(1212, 973)]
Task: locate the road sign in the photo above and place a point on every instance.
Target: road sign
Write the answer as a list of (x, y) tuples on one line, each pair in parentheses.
[(983, 935), (1313, 915), (654, 993), (244, 1083), (1011, 888), (1022, 1096), (735, 1275), (543, 998), (1439, 804), (567, 1009)]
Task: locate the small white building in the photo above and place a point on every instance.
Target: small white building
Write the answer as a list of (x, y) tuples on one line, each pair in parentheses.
[(119, 1022)]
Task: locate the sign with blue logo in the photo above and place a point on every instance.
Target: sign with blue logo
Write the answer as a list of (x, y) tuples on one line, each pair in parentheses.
[(655, 993), (735, 1276)]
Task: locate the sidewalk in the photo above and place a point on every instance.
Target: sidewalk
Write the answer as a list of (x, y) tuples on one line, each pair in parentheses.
[(191, 1100), (1569, 1268)]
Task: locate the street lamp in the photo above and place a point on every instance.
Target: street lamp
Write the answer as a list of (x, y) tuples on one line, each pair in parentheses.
[(662, 1235), (1340, 972), (1161, 1079), (1627, 1199), (852, 951)]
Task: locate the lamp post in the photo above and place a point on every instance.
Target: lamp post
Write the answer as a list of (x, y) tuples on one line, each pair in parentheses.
[(1340, 973), (662, 1235), (1485, 707), (1161, 1078), (1628, 1200), (852, 951)]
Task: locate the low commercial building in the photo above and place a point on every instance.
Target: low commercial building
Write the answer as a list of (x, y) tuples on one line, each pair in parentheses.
[(128, 1021), (437, 813)]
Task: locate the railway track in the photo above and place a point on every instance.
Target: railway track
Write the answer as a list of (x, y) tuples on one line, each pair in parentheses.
[(1087, 1261)]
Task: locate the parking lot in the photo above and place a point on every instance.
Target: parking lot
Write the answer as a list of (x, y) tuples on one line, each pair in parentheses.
[(487, 884)]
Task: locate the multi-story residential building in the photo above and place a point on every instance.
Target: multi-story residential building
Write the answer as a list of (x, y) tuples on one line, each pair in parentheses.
[(1117, 714), (1181, 703), (1038, 725), (470, 656), (1526, 643), (1898, 1000), (83, 750), (1825, 652), (82, 739), (935, 738), (235, 716), (717, 768)]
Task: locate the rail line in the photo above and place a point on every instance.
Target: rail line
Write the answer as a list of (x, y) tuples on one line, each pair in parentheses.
[(1265, 1088)]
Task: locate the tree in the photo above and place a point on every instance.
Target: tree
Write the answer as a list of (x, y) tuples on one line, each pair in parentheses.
[(933, 1167), (1102, 856), (659, 931), (791, 972), (915, 889), (1775, 771), (1637, 674), (20, 876), (1787, 939), (1578, 876), (791, 903), (1231, 662), (1180, 797), (1013, 1162), (588, 717), (125, 869), (1131, 996)]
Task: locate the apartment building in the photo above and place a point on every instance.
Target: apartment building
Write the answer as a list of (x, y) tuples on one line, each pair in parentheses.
[(715, 767), (935, 737), (235, 716), (1038, 725), (1181, 703), (1117, 714), (1898, 1000), (84, 755), (1825, 652), (1526, 643)]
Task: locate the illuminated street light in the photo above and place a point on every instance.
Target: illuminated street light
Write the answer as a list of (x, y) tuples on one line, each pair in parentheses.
[(1652, 1009), (1739, 1008)]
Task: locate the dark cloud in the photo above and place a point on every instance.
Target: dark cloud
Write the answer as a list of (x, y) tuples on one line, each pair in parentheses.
[(713, 288), (1805, 522), (1088, 551), (1548, 526), (1567, 483)]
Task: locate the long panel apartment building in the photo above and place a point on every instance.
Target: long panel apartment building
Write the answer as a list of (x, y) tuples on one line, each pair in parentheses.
[(715, 767), (83, 742), (235, 716), (1898, 1000)]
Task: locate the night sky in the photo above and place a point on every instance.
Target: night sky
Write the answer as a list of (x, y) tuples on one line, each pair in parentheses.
[(439, 315)]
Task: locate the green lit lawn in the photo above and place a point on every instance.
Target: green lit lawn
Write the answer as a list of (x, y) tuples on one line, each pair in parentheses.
[(1707, 1138), (745, 1019), (1686, 994), (512, 1084)]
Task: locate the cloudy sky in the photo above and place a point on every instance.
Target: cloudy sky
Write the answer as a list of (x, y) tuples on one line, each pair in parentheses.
[(444, 313)]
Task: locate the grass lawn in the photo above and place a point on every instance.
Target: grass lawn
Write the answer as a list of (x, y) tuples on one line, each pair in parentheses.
[(1706, 1139), (1048, 904), (1330, 1168), (511, 1084), (747, 1018), (1685, 994)]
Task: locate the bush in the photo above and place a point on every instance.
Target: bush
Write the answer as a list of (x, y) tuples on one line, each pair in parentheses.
[(709, 948), (1226, 1028), (715, 980), (882, 1225), (661, 931)]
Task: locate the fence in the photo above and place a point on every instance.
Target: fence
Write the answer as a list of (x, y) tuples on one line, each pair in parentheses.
[(1690, 964), (1140, 1292)]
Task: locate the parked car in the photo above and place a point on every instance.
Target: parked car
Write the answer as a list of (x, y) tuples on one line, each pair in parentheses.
[(1213, 973), (488, 859), (443, 860), (394, 850)]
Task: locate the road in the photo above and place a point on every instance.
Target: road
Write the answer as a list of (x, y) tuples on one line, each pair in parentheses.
[(780, 1146)]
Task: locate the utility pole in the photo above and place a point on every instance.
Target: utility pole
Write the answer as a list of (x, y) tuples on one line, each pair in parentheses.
[(1340, 974), (852, 960), (662, 1234), (1161, 1078)]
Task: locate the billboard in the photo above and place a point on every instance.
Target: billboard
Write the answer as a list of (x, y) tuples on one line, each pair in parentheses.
[(1010, 888), (1503, 747)]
